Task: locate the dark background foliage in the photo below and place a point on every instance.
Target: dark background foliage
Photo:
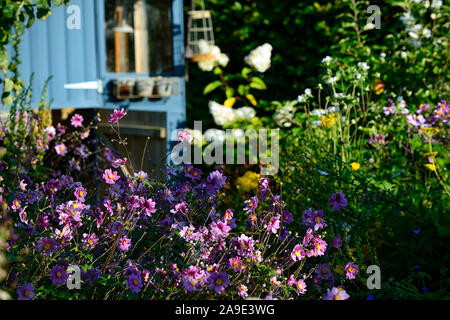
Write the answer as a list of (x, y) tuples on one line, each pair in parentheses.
[(302, 33)]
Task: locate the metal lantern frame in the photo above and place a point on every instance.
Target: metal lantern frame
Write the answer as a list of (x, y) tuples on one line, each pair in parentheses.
[(199, 28)]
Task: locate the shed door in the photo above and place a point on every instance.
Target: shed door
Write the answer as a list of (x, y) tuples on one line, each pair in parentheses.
[(65, 47)]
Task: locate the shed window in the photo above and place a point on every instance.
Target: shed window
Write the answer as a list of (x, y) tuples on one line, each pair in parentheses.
[(138, 36)]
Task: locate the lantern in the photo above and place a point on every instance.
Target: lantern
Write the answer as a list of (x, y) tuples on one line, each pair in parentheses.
[(199, 28)]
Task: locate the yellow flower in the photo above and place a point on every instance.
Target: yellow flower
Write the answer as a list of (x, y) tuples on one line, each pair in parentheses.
[(431, 166), (379, 87), (355, 166), (430, 154), (427, 203), (249, 181), (328, 121)]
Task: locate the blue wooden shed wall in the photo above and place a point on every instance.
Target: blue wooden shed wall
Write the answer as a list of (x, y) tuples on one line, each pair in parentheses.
[(79, 55), (69, 55)]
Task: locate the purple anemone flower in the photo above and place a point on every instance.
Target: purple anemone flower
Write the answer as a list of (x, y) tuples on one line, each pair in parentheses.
[(58, 275), (218, 282), (25, 291), (338, 201)]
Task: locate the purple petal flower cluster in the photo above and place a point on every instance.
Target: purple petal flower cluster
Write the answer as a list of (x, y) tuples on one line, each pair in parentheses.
[(338, 201), (58, 275), (351, 270), (336, 294), (314, 219), (149, 239)]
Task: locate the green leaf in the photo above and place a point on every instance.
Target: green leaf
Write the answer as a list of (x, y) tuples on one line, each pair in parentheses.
[(242, 90), (257, 83), (217, 71), (8, 85), (9, 10), (42, 4), (4, 60), (57, 2), (7, 98), (212, 86), (245, 72), (229, 92)]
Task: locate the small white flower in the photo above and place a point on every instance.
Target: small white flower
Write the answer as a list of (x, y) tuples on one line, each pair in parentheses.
[(364, 66), (308, 92), (332, 80), (333, 109), (302, 98), (369, 26), (426, 33), (326, 61), (436, 4)]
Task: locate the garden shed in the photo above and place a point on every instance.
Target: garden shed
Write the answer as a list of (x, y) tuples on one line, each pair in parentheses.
[(105, 54)]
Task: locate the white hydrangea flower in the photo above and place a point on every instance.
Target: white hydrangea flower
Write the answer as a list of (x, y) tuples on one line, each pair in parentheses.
[(219, 57), (223, 60), (206, 65), (259, 58), (220, 113), (245, 113)]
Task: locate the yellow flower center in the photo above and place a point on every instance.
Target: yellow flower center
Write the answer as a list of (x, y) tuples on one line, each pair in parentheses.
[(218, 281)]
